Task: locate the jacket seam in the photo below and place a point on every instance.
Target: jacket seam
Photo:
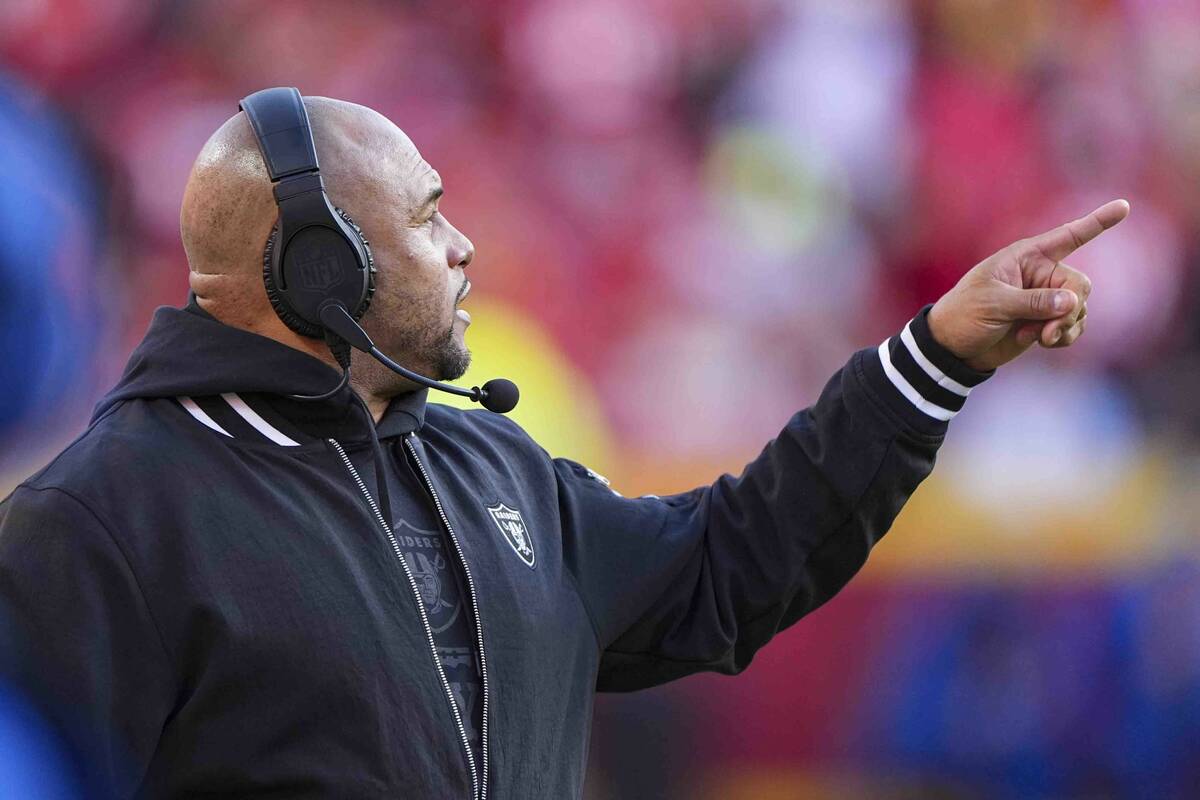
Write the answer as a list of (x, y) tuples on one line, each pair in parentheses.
[(70, 446), (124, 557), (587, 612)]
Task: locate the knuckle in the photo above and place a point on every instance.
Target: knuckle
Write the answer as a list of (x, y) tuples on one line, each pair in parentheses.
[(1024, 253), (990, 306), (1076, 238), (1070, 337)]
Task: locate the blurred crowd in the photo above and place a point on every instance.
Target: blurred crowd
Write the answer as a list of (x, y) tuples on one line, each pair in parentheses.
[(687, 214)]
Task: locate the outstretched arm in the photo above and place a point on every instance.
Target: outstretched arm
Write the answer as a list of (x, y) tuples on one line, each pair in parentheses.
[(700, 580)]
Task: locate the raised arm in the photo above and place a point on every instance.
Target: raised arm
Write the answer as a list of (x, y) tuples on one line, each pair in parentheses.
[(700, 580)]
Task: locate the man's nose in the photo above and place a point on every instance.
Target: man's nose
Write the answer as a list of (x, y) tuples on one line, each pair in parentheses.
[(461, 251)]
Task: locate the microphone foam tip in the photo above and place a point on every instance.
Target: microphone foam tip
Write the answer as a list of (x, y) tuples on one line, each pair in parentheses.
[(500, 395)]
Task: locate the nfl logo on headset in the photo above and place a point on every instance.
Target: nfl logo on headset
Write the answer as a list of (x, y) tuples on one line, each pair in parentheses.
[(319, 269), (512, 527)]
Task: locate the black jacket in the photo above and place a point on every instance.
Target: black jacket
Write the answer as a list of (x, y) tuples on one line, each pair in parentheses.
[(211, 599)]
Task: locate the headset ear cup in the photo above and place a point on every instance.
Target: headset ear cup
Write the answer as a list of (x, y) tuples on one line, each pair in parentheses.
[(278, 302), (370, 293)]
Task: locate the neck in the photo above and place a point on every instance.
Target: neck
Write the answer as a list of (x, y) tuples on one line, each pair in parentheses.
[(377, 404), (370, 380)]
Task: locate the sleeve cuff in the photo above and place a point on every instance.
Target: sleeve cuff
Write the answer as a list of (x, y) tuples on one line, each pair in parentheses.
[(920, 380)]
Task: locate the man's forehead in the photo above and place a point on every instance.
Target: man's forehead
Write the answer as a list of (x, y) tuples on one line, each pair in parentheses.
[(428, 177), (418, 175), (375, 153)]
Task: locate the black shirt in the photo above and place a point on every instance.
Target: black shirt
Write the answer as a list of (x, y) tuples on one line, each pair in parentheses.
[(435, 567)]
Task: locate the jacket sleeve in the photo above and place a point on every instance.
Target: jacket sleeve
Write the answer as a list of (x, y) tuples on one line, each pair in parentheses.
[(86, 647), (700, 580)]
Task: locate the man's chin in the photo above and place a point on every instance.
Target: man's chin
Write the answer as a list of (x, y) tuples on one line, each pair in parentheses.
[(453, 363), (445, 360)]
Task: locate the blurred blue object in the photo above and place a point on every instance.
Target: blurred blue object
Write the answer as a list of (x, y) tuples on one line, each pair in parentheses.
[(50, 243), (33, 762), (1090, 689)]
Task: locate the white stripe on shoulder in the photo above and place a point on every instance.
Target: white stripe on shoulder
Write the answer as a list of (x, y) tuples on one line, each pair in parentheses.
[(939, 377), (906, 388), (261, 425), (198, 412)]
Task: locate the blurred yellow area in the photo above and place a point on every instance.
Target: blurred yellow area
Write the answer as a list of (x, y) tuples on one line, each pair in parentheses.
[(558, 406), (942, 533)]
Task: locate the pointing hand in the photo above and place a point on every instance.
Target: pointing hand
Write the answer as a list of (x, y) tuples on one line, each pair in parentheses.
[(1021, 295)]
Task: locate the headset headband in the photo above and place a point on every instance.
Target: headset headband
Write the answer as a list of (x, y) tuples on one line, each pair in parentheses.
[(316, 255), (284, 133)]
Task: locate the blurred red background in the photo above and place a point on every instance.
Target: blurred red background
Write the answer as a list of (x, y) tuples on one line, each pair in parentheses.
[(687, 215)]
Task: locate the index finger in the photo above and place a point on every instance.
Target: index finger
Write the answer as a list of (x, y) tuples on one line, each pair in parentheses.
[(1060, 242)]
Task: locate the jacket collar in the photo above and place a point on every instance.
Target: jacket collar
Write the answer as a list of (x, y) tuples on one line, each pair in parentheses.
[(186, 352), (405, 414)]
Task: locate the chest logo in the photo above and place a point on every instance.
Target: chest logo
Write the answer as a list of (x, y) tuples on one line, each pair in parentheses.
[(423, 552), (512, 527)]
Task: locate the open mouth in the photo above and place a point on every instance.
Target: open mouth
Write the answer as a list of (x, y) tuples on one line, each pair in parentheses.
[(461, 313)]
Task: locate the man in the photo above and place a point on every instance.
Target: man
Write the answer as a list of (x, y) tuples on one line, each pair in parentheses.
[(211, 592)]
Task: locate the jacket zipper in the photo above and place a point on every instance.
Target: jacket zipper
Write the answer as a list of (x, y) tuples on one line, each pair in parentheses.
[(483, 731), (437, 662)]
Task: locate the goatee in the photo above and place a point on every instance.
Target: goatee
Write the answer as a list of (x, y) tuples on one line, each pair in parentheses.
[(450, 359)]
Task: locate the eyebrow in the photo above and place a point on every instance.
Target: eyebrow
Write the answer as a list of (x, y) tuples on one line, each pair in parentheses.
[(433, 195)]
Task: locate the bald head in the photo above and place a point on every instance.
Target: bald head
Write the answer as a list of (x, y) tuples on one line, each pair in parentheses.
[(374, 173), (228, 208)]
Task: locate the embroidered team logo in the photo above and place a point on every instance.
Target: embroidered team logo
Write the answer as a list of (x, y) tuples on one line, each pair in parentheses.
[(512, 526)]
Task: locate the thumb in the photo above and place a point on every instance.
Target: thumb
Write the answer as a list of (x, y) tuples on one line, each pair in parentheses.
[(1036, 303)]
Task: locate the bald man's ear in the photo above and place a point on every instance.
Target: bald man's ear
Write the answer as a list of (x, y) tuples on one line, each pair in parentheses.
[(315, 254), (321, 263)]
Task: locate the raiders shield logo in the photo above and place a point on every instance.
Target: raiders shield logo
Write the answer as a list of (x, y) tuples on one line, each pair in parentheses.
[(512, 527)]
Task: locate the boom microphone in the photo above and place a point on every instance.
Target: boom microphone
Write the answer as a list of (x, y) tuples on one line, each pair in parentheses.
[(499, 394)]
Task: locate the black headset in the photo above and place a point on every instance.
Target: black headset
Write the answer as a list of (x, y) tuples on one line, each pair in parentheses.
[(315, 254), (317, 265)]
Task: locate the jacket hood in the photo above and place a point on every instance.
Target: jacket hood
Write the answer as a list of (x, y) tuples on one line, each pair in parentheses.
[(187, 352)]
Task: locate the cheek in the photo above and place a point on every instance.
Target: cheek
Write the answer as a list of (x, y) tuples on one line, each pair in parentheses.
[(412, 279)]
